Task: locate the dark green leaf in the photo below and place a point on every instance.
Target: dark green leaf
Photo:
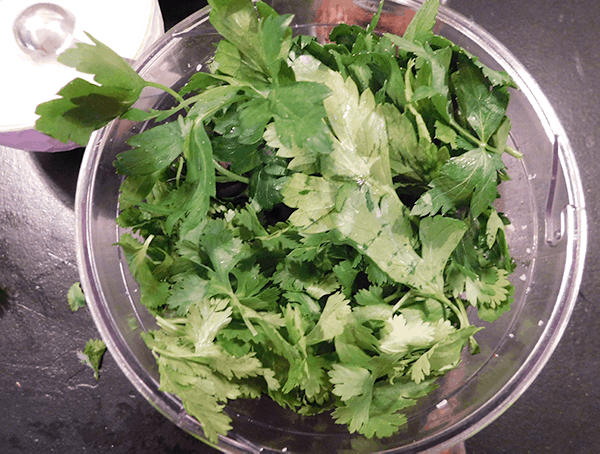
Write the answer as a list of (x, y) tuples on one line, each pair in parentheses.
[(483, 106), (153, 150), (84, 107)]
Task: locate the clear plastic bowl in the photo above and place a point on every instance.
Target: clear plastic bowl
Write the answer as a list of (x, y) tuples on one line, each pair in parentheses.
[(548, 238)]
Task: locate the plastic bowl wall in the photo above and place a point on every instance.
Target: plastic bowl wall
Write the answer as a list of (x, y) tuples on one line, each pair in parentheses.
[(544, 201)]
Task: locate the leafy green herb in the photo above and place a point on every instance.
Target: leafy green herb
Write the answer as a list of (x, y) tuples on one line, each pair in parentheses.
[(92, 355), (316, 221), (75, 297), (83, 106)]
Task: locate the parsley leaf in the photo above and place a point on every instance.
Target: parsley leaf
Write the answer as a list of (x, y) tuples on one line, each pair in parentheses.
[(83, 106), (469, 179), (482, 105)]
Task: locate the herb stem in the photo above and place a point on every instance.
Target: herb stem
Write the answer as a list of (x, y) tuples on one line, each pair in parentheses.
[(459, 310), (388, 299), (469, 136), (170, 91), (400, 302), (511, 151), (231, 175), (179, 171), (514, 153)]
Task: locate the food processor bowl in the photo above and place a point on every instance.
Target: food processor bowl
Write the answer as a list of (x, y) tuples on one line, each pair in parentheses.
[(544, 200)]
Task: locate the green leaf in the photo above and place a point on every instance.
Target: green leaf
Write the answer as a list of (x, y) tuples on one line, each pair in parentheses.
[(75, 297), (346, 274), (276, 38), (468, 179), (293, 276), (154, 292), (153, 150), (198, 401), (410, 156), (222, 247), (332, 320), (229, 61), (263, 42), (421, 26), (439, 237), (500, 138), (92, 355), (84, 107), (355, 411), (371, 296), (389, 399), (214, 99), (187, 290), (237, 22), (360, 145), (482, 105), (267, 189), (299, 112), (495, 77), (443, 356), (493, 226), (402, 335), (491, 293), (106, 65), (205, 319), (200, 174), (314, 199), (349, 381)]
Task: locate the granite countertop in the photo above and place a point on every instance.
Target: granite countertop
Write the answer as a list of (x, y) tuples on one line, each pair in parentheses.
[(50, 402)]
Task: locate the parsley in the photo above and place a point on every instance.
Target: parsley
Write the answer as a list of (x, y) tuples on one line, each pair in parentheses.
[(84, 106), (316, 221)]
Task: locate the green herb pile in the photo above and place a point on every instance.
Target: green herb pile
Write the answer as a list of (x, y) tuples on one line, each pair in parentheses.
[(317, 218)]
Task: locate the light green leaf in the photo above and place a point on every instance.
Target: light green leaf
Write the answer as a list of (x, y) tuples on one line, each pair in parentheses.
[(401, 335), (332, 320), (349, 381), (421, 25), (75, 297)]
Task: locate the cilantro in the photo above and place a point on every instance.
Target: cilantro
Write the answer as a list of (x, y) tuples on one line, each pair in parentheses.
[(92, 355), (312, 222), (75, 297)]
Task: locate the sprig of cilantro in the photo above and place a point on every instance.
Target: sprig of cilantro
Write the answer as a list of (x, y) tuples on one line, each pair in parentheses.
[(315, 223), (92, 355)]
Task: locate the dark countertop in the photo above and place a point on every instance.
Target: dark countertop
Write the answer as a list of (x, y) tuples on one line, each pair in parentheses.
[(50, 402)]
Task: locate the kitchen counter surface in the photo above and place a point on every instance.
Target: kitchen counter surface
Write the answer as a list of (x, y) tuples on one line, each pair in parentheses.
[(51, 403)]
